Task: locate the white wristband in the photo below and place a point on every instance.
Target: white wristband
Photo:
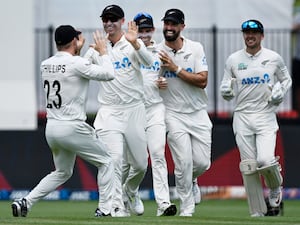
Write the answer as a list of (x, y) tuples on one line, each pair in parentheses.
[(179, 68)]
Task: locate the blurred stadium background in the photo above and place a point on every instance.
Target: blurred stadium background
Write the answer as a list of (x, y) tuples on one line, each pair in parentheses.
[(28, 39)]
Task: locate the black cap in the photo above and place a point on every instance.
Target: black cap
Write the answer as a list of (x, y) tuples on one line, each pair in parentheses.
[(174, 15), (65, 34), (143, 20), (253, 25), (113, 10)]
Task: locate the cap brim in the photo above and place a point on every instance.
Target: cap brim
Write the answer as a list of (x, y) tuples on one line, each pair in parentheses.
[(252, 29), (111, 13), (175, 20), (145, 26)]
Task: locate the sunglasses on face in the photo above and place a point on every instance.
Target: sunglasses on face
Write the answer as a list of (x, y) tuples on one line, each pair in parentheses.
[(142, 15), (111, 19)]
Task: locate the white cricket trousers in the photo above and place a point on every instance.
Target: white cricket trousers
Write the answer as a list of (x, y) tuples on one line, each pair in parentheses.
[(68, 139), (122, 128), (255, 136), (156, 140), (189, 139)]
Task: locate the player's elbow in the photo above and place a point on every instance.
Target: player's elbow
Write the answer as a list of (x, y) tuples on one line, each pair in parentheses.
[(110, 76), (107, 76), (201, 84)]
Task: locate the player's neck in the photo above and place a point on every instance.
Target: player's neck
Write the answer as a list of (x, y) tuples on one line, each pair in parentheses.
[(114, 38), (175, 45), (253, 51), (71, 50)]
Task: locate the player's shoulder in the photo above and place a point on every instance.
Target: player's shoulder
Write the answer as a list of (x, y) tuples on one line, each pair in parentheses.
[(270, 52), (48, 60), (191, 42), (77, 60), (160, 45), (192, 46), (235, 57), (237, 54)]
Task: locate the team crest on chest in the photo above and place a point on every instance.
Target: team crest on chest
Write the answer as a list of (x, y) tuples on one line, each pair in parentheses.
[(186, 57), (265, 62), (123, 47), (242, 66)]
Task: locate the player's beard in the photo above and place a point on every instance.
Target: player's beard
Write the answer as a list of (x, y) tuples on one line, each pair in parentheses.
[(171, 37)]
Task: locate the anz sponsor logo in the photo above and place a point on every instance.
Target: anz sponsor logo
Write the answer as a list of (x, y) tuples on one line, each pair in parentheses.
[(155, 66), (170, 74), (125, 63), (256, 80)]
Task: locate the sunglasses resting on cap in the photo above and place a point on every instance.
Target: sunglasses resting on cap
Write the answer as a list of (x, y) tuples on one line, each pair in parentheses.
[(254, 25)]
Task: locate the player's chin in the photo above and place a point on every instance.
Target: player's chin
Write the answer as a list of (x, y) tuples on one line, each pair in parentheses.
[(110, 30), (251, 43)]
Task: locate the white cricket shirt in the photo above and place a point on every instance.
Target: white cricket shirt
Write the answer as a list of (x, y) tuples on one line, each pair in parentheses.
[(181, 96), (127, 87), (150, 75), (254, 75), (66, 80)]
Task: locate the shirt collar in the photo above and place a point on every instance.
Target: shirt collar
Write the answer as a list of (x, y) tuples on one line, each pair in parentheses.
[(59, 53), (168, 49), (253, 56)]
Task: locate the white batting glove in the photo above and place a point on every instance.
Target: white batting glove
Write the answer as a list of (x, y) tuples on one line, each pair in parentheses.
[(277, 94), (226, 89)]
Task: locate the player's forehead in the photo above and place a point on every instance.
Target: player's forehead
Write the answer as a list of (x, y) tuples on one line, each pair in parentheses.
[(253, 32), (170, 22), (145, 30)]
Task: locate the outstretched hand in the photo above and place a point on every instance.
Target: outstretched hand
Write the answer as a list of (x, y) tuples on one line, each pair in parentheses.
[(100, 43), (132, 34)]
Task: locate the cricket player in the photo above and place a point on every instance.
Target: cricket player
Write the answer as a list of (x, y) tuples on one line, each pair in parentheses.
[(121, 118), (259, 79), (65, 79), (188, 124), (155, 115)]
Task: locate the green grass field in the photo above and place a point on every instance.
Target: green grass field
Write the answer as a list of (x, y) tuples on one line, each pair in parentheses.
[(209, 212)]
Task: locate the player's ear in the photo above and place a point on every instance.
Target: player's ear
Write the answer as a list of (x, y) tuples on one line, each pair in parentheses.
[(122, 20), (182, 26)]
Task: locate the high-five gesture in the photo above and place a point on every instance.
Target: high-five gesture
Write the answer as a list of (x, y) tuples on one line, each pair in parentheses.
[(132, 34), (100, 42)]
